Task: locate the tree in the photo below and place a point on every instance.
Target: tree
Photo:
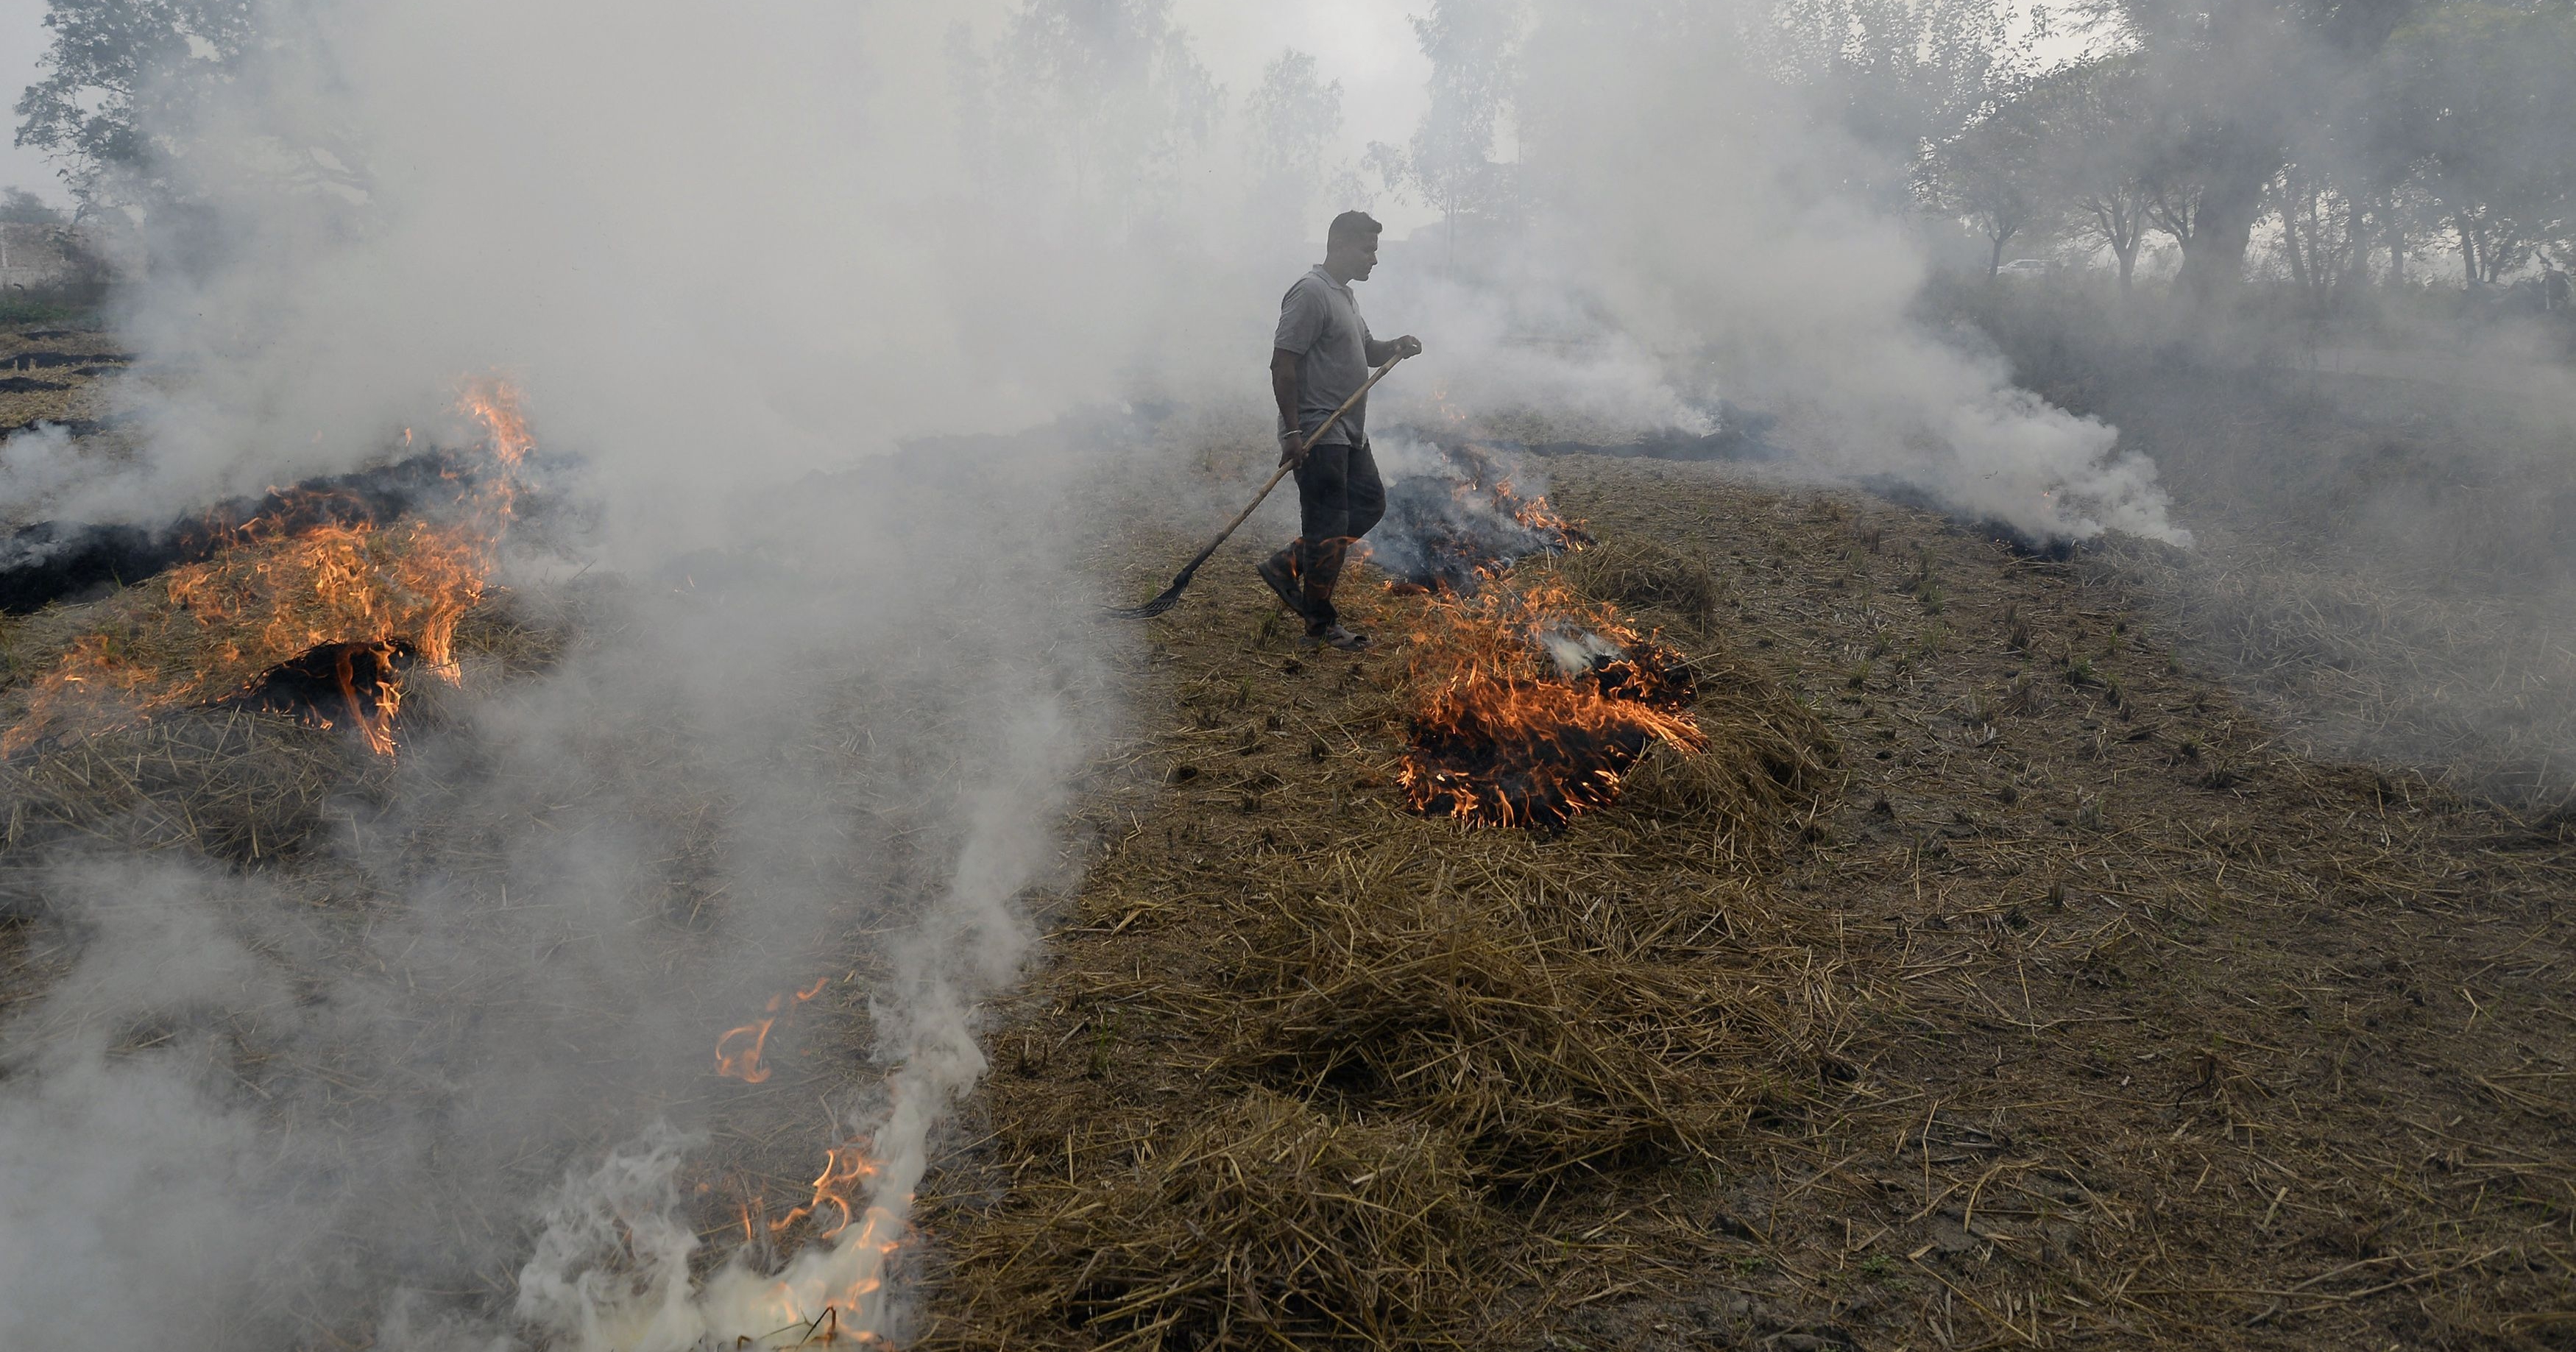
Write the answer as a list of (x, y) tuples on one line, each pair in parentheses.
[(1293, 119), (2482, 100), (1992, 174), (1473, 46), (1900, 76), (2234, 85), (1107, 93), (2324, 229), (21, 207), (122, 82), (2092, 118)]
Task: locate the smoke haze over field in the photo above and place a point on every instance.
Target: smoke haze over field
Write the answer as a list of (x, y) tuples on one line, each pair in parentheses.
[(847, 691)]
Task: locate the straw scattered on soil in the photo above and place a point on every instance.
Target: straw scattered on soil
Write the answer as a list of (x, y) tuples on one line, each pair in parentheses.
[(1541, 1031), (2072, 1004), (2383, 565), (1264, 1223), (234, 785), (1995, 979)]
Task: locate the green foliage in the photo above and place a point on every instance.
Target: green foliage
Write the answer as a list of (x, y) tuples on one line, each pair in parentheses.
[(1900, 74), (1993, 175), (122, 80), (19, 308), (2480, 99), (1294, 118)]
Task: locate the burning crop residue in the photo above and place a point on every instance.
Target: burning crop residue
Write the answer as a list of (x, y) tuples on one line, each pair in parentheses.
[(1531, 703), (738, 1052), (356, 684), (834, 1286), (310, 613), (1456, 515)]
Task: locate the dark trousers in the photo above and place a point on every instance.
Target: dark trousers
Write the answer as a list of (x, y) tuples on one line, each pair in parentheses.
[(1339, 497)]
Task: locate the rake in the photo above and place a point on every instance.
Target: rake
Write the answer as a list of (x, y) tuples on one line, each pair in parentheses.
[(1172, 594)]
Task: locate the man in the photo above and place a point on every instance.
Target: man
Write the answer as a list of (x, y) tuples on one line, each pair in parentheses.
[(1321, 356)]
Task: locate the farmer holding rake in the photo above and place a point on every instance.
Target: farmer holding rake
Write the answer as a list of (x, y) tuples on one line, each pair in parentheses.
[(1319, 363)]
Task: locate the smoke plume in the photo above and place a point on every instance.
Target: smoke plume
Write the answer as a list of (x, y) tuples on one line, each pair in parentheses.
[(821, 705)]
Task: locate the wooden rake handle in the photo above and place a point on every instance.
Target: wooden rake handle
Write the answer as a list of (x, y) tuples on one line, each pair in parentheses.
[(1172, 593)]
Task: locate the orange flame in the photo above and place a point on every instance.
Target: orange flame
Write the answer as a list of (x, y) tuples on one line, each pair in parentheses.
[(737, 1061), (268, 595), (1532, 702), (845, 1166)]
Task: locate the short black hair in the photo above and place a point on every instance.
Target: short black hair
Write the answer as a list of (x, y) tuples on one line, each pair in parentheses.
[(1351, 223)]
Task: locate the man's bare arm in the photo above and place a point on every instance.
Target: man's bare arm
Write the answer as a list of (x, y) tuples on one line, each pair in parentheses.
[(1406, 346), (1283, 387)]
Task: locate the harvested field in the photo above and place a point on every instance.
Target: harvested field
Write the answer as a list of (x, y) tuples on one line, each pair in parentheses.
[(1994, 976), (2385, 566), (72, 363), (2062, 1002)]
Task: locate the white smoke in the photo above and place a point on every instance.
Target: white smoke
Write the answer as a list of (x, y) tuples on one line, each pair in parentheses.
[(734, 259), (1695, 218), (37, 465), (846, 688)]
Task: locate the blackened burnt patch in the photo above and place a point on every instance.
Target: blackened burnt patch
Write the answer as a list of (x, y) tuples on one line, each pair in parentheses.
[(350, 685), (30, 361), (1451, 526), (54, 561)]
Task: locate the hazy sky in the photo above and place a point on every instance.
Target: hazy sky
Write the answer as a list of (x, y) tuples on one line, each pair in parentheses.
[(22, 39), (1366, 44)]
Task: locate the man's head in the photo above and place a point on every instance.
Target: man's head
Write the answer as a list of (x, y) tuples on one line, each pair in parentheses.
[(1350, 246)]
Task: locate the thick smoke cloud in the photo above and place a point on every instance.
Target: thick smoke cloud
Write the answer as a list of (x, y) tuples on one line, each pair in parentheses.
[(1713, 212), (824, 697), (817, 690)]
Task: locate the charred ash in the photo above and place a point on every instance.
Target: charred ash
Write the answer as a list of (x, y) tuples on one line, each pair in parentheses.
[(356, 687), (75, 427), (61, 561), (1532, 704), (1455, 518), (46, 361)]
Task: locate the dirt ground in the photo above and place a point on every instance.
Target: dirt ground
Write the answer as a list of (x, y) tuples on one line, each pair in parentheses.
[(2385, 565), (2117, 1022)]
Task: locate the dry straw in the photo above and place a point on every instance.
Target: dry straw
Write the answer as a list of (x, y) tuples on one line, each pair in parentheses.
[(1542, 1033), (1407, 1018), (1265, 1224), (232, 785)]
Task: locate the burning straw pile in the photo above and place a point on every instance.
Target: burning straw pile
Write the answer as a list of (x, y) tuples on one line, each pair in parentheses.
[(1450, 529), (1536, 699), (299, 614), (1532, 702)]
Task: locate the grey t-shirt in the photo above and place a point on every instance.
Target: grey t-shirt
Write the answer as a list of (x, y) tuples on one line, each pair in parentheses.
[(1319, 320)]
